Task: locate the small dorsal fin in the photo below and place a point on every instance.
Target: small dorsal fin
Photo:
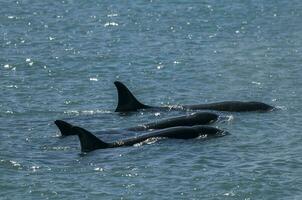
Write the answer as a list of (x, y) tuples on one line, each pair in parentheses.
[(64, 127), (126, 100), (89, 142)]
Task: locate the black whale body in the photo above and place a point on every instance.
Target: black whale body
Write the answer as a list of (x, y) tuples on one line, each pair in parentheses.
[(90, 142), (200, 118), (127, 103)]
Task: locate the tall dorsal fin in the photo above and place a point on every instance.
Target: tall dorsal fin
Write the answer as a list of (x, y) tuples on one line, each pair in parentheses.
[(126, 100), (64, 127), (89, 142)]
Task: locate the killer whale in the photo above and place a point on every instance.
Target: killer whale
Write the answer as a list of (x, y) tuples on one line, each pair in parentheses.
[(127, 102), (90, 142), (199, 118)]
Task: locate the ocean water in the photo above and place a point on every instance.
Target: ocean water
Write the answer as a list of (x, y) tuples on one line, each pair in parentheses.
[(59, 60)]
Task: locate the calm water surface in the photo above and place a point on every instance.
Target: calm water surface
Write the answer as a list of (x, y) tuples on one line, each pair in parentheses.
[(59, 60)]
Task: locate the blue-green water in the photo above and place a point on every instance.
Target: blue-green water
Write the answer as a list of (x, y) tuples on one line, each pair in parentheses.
[(59, 60)]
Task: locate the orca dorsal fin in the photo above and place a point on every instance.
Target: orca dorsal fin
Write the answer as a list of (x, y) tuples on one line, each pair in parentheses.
[(89, 142), (64, 127), (126, 100)]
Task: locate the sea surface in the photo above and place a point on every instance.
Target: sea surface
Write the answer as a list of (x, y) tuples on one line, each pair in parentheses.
[(59, 60)]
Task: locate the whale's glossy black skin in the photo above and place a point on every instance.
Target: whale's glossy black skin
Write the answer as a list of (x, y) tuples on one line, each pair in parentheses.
[(90, 142), (127, 103), (200, 118)]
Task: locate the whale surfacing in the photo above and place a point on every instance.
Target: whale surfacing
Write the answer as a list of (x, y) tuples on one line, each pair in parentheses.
[(127, 102), (199, 118), (90, 142)]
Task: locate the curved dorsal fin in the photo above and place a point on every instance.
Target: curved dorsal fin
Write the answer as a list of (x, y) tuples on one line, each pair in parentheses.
[(89, 142), (64, 127), (126, 100)]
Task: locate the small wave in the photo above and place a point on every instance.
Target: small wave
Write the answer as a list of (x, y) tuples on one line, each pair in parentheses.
[(226, 119), (9, 112), (174, 107), (26, 112), (93, 79), (99, 169), (34, 168), (86, 112), (8, 66), (110, 24), (157, 114), (231, 194), (203, 136), (148, 141), (206, 136), (18, 166), (112, 15), (56, 148), (281, 108), (11, 164), (11, 86)]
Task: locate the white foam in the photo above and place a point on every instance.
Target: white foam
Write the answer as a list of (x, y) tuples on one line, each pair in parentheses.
[(110, 24)]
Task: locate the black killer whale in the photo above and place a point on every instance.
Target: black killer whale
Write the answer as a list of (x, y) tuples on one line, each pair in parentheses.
[(199, 118), (127, 102), (90, 142)]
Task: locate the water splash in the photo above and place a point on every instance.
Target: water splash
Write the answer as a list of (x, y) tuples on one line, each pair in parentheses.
[(148, 141), (110, 24)]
